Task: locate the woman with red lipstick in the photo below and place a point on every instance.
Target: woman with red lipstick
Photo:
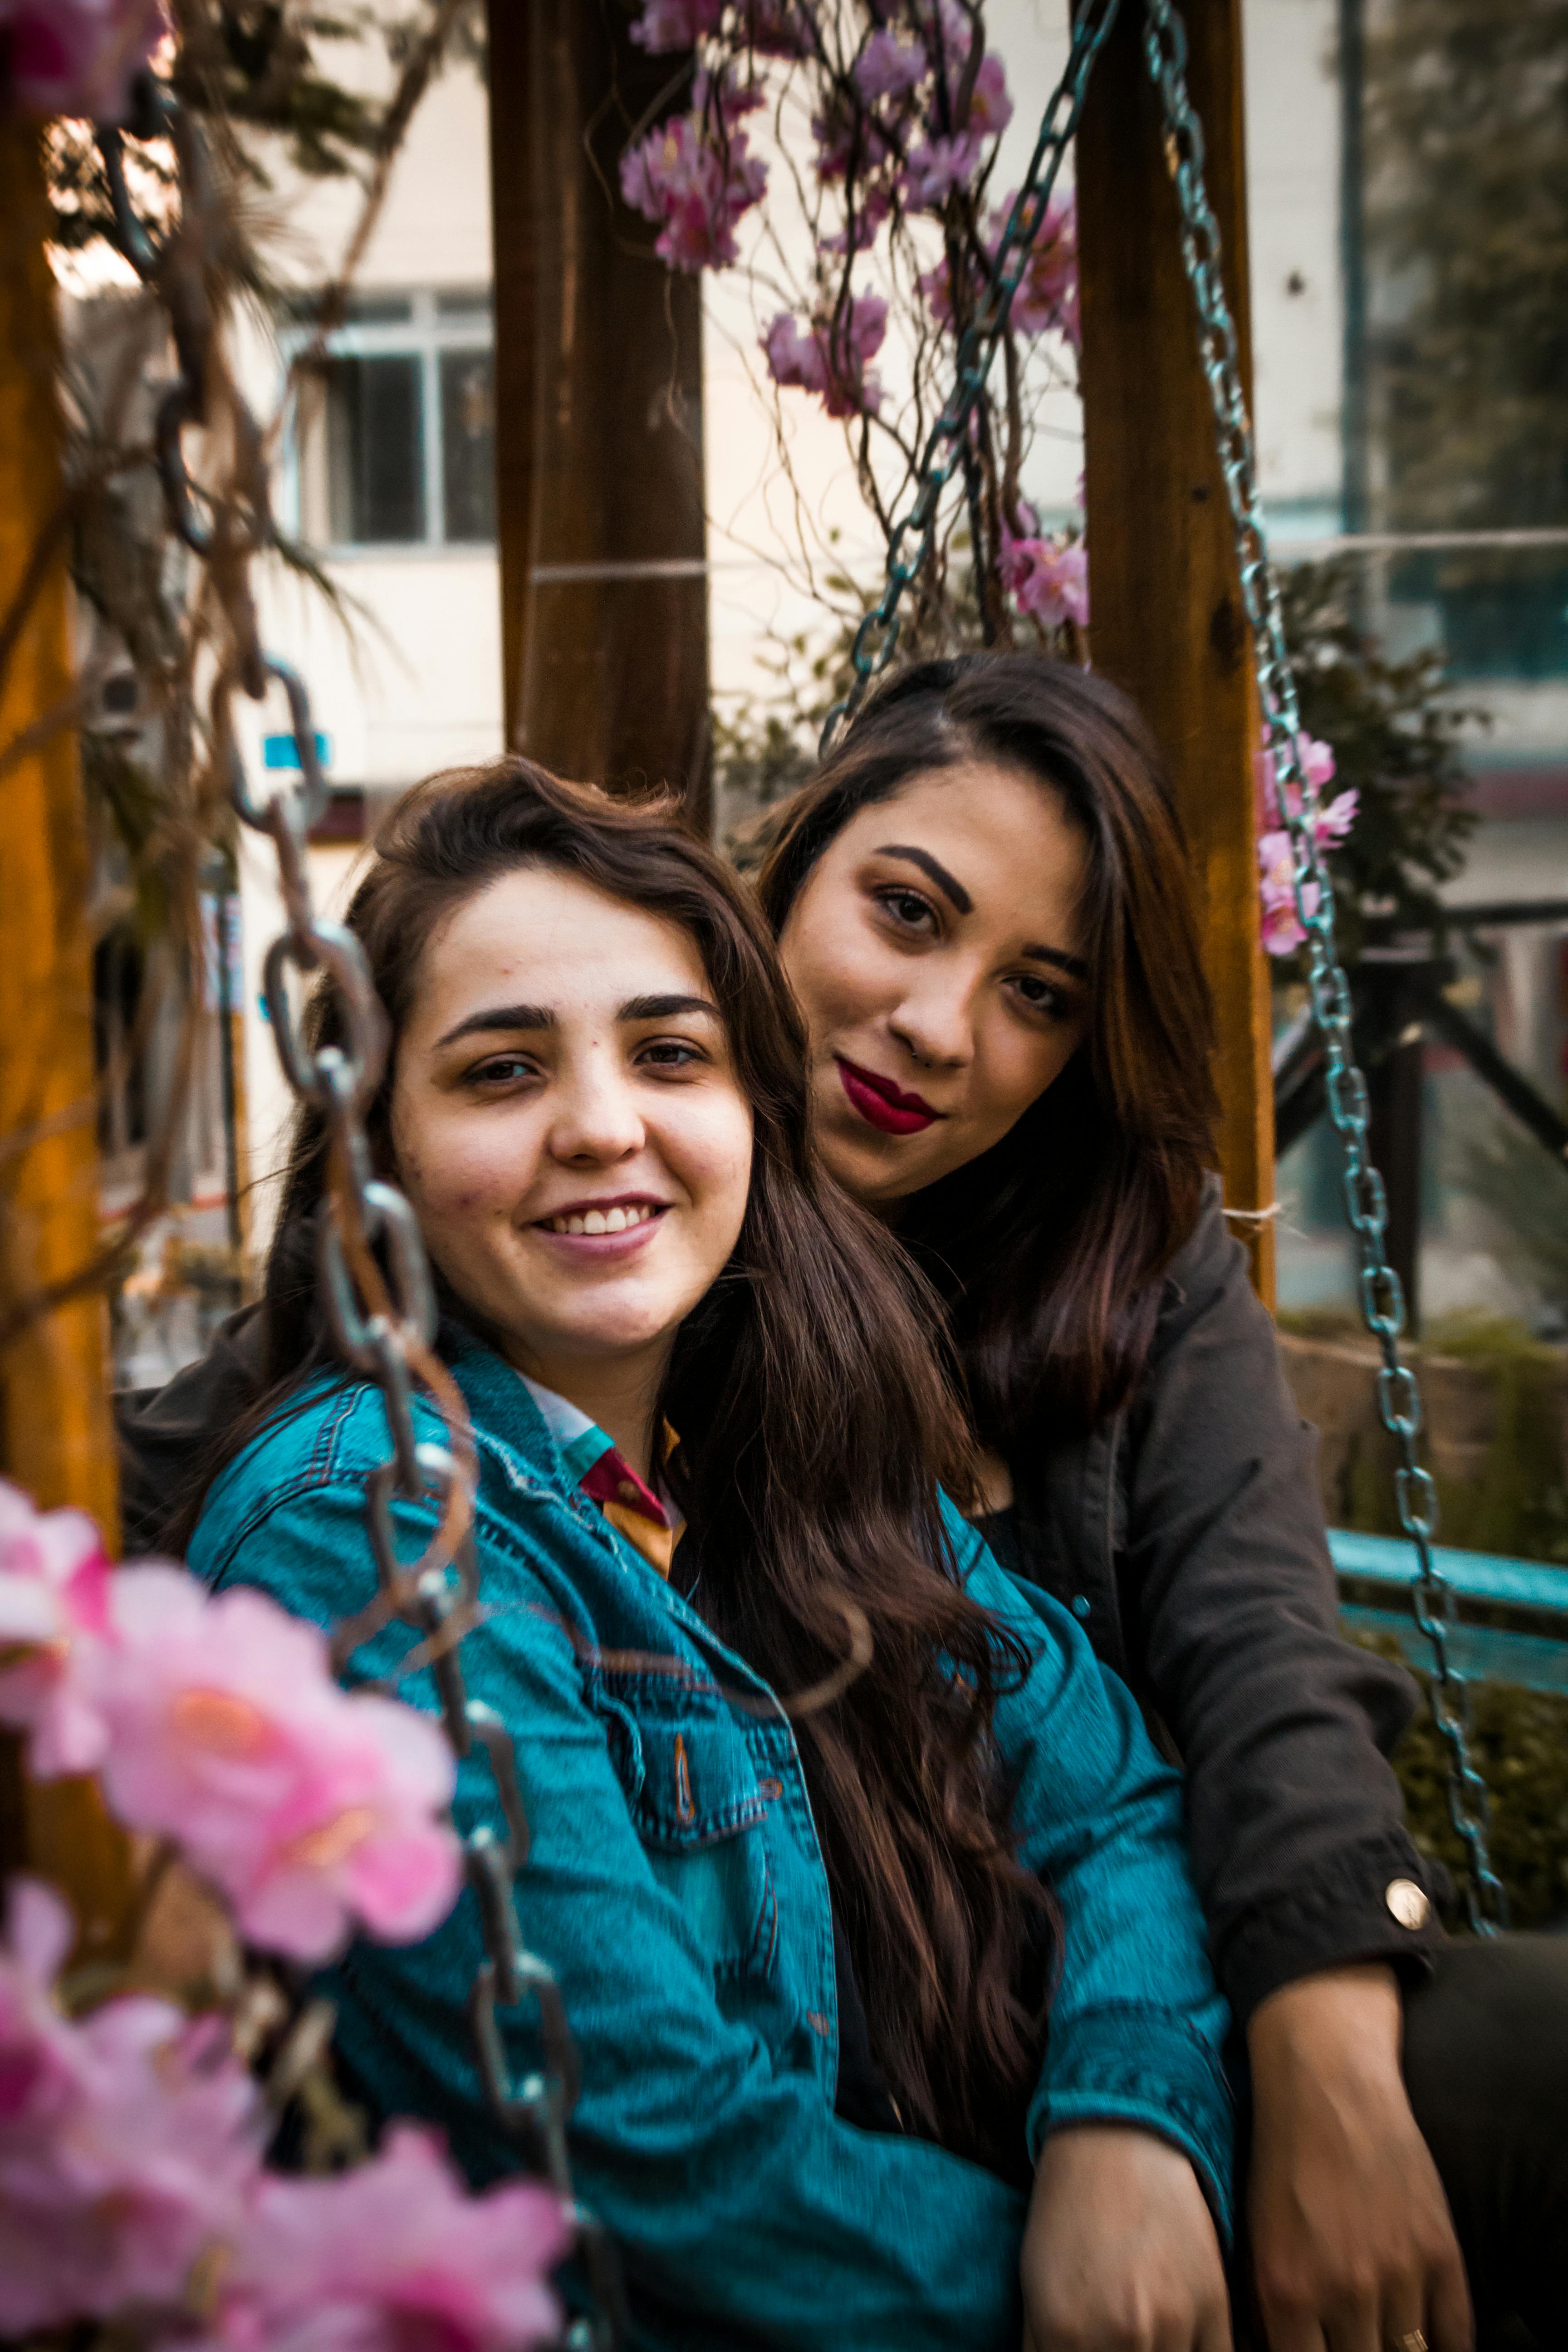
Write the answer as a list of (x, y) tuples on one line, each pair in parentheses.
[(984, 909)]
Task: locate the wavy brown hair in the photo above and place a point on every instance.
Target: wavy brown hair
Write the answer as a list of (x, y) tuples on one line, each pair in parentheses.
[(817, 1425), (1047, 1249)]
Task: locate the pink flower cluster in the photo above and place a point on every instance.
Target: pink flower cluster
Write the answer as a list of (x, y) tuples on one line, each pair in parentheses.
[(1045, 297), (695, 175), (776, 28), (1282, 930), (216, 1722), (392, 2258), (131, 2177), (76, 56), (832, 357), (1045, 577), (127, 2142)]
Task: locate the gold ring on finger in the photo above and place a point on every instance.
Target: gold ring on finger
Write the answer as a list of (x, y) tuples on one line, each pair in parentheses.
[(1412, 2340)]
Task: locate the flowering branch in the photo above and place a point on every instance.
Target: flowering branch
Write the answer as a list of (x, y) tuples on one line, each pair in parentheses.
[(132, 2186)]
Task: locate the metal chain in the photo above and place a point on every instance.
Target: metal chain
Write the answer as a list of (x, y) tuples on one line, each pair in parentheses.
[(384, 1324), (910, 539), (1382, 1298)]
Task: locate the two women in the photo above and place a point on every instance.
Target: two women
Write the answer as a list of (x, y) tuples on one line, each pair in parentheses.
[(865, 1887)]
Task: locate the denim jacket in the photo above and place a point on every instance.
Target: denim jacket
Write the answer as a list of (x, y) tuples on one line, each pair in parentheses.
[(675, 1887)]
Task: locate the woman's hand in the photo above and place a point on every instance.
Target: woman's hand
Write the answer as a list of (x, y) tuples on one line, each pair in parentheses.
[(1353, 2242), (1119, 2253)]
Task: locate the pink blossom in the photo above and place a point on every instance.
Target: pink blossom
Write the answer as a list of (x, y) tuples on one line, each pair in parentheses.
[(936, 166), (777, 28), (990, 108), (676, 24), (888, 68), (845, 137), (830, 358), (1046, 294), (128, 2142), (394, 2257), (40, 2067), (946, 31), (1317, 761), (1282, 930), (77, 57), (1046, 579), (697, 185), (308, 1807), (54, 1599)]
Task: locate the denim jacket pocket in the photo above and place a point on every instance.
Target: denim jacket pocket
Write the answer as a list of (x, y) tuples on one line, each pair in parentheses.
[(692, 1791)]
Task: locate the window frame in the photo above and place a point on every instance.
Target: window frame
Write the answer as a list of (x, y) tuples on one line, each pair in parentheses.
[(426, 334)]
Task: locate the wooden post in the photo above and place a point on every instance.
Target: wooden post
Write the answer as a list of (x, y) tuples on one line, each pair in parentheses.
[(599, 403), (56, 1439), (1167, 620)]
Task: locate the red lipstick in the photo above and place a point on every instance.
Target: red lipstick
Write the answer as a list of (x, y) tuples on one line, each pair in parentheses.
[(883, 1105)]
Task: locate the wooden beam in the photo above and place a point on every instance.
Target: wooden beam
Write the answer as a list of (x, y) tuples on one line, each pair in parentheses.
[(509, 46), (56, 1439), (599, 358), (1167, 619)]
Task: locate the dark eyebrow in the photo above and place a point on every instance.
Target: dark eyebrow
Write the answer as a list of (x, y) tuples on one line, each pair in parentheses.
[(951, 888), (954, 890), (665, 1008), (501, 1017), (1076, 965)]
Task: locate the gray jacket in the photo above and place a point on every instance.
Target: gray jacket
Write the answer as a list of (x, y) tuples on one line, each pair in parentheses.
[(1186, 1534)]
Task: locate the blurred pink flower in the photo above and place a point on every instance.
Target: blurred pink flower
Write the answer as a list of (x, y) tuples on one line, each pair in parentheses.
[(846, 136), (394, 2257), (676, 24), (990, 108), (307, 1806), (946, 31), (697, 185), (40, 2063), (1282, 929), (54, 1600), (936, 167), (831, 361), (1048, 290), (1046, 579), (777, 28), (1317, 761), (888, 68), (128, 2142), (76, 56)]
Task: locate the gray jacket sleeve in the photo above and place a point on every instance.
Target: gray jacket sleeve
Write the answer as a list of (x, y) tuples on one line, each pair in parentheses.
[(1187, 1537), (1229, 1607)]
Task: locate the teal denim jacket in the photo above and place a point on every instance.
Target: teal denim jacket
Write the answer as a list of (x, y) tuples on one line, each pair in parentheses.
[(684, 1908)]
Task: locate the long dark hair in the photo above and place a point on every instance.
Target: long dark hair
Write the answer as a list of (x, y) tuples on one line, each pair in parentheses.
[(815, 1423), (1047, 1248)]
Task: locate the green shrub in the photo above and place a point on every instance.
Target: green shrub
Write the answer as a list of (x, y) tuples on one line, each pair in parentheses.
[(1520, 1748), (1515, 1504)]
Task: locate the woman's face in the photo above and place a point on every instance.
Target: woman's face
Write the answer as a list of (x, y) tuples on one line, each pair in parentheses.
[(568, 1124), (937, 949)]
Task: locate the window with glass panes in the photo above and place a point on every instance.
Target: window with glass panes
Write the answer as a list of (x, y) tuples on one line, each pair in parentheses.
[(395, 440)]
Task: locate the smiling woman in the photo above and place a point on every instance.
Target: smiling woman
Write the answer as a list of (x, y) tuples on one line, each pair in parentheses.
[(580, 1163)]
